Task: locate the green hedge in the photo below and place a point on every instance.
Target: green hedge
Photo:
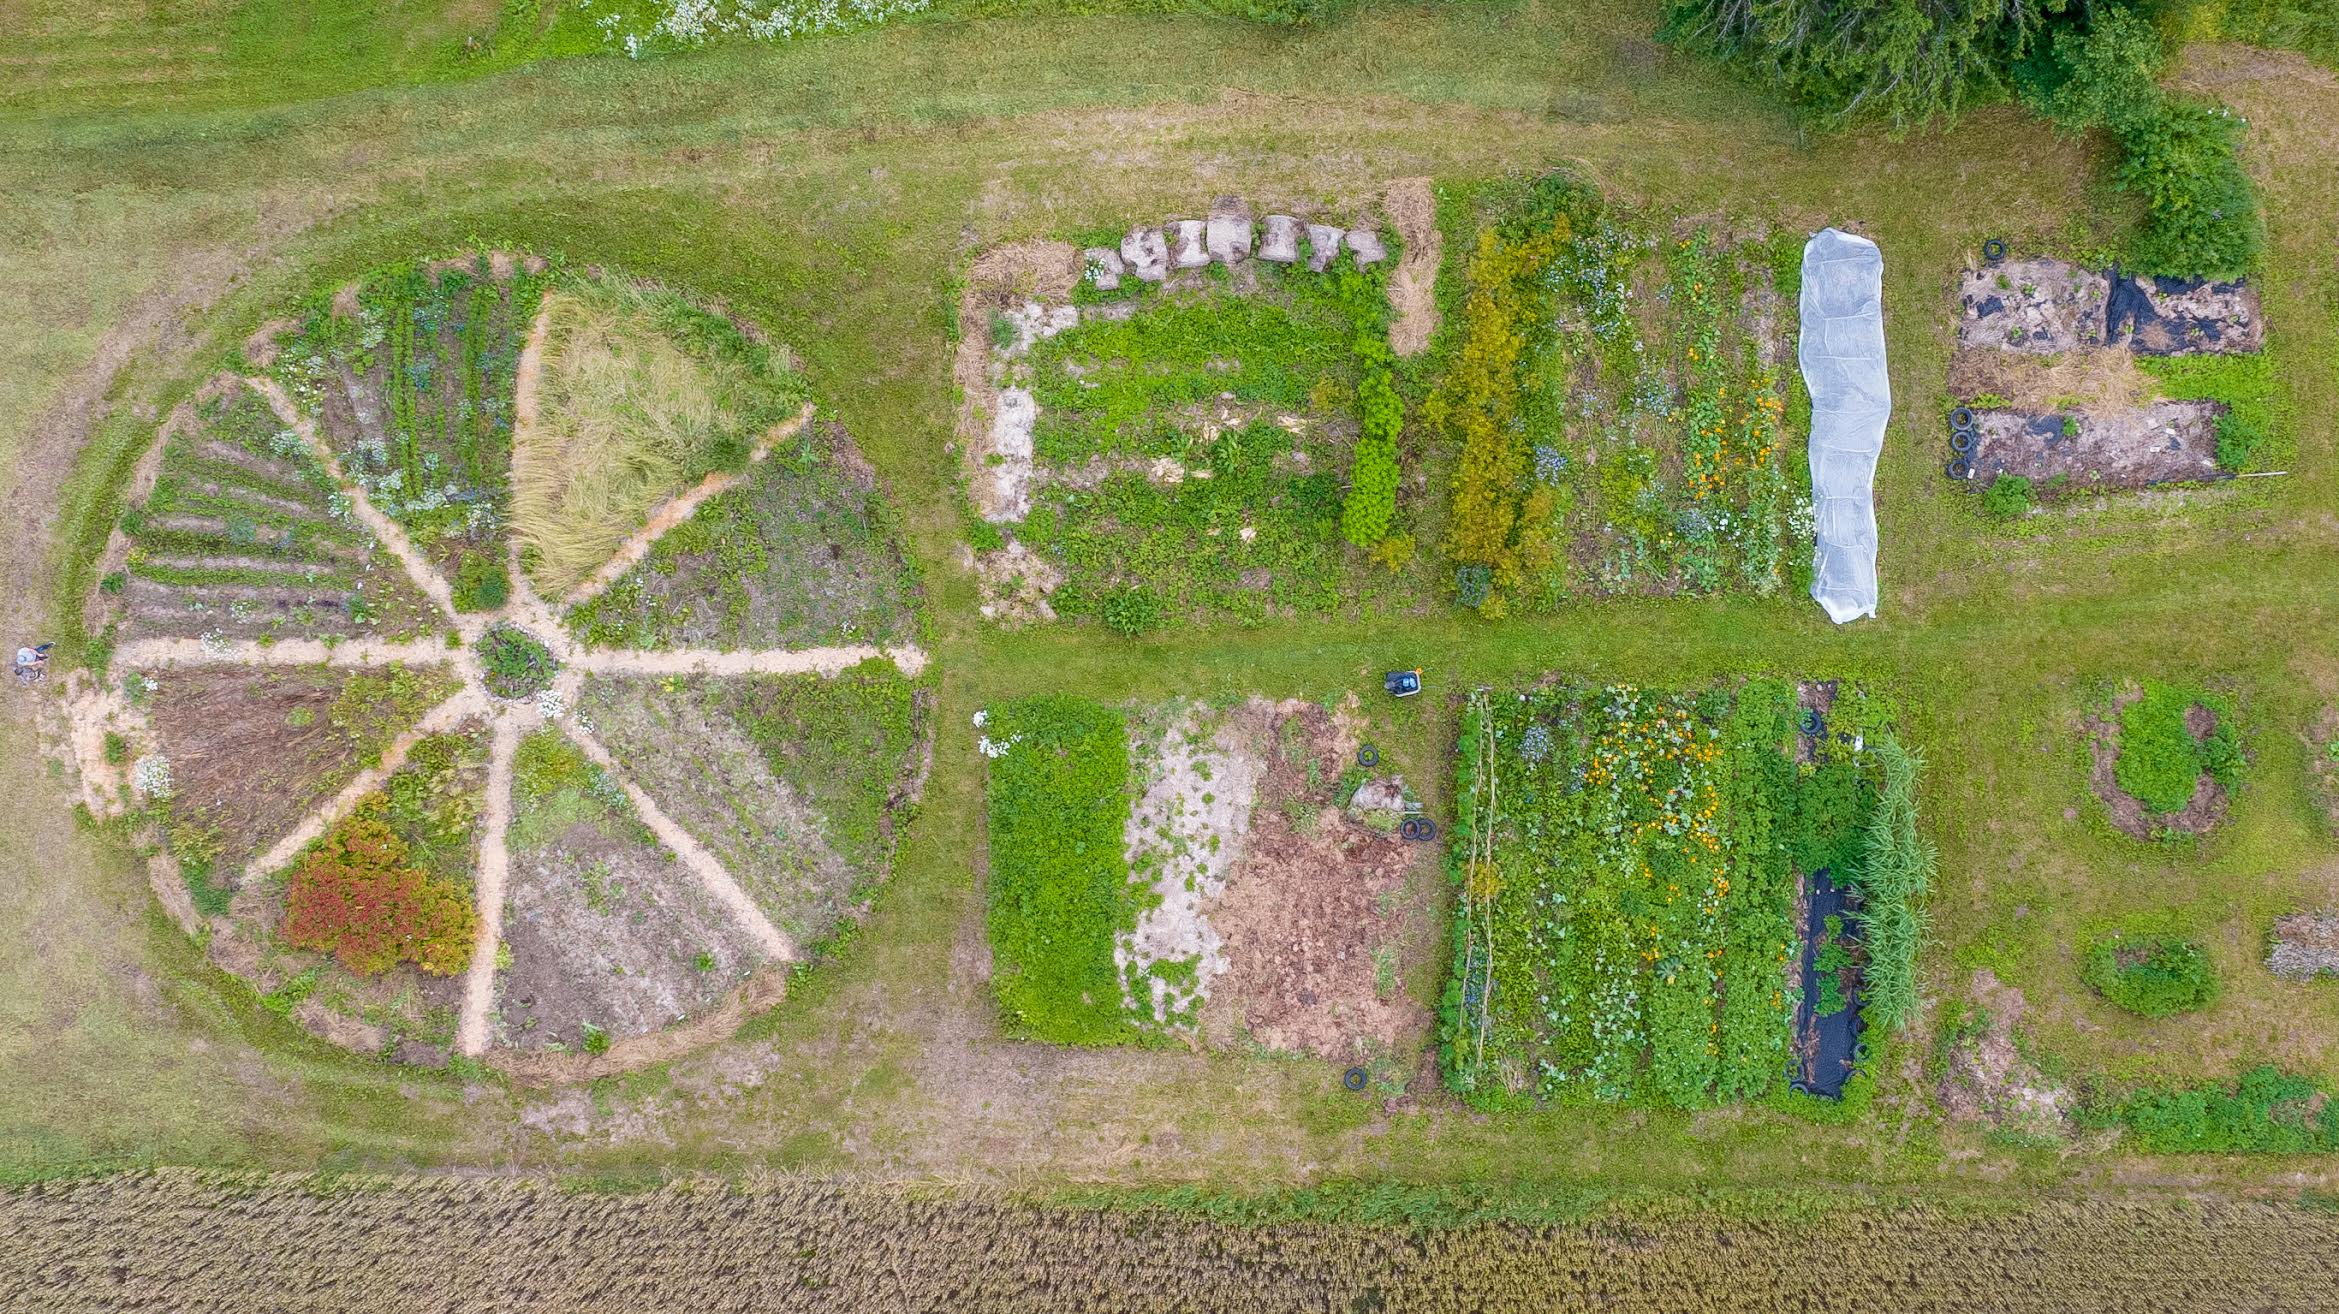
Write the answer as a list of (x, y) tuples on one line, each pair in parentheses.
[(1060, 888)]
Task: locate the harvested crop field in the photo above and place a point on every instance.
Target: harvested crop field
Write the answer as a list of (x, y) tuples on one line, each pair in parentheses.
[(178, 1241)]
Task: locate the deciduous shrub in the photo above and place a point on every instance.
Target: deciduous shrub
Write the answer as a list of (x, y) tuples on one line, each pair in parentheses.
[(2160, 761), (1060, 889), (356, 896), (2238, 438), (2200, 210), (2153, 975)]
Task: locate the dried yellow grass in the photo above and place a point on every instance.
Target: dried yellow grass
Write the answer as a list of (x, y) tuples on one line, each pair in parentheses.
[(638, 395)]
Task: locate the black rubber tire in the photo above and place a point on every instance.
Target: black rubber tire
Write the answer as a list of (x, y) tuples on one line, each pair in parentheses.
[(1355, 1079), (1859, 1051), (1425, 829), (1367, 755), (1960, 469), (1961, 441), (1800, 1088), (1961, 418), (1994, 250)]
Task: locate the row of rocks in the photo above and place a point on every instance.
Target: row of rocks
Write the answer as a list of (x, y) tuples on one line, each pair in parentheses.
[(1150, 254)]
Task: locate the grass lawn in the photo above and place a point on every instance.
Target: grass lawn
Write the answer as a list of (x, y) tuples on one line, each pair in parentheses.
[(834, 191)]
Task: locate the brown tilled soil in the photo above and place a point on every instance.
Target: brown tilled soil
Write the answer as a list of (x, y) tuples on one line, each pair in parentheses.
[(607, 929), (1986, 1078), (1313, 916), (2207, 807), (2157, 443), (2045, 307), (238, 759)]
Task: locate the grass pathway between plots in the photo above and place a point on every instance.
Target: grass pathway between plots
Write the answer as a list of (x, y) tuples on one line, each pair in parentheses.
[(510, 720)]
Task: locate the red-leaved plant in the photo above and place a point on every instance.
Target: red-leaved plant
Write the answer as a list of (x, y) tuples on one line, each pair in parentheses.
[(356, 896)]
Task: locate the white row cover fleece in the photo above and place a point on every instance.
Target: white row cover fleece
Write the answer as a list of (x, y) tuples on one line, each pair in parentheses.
[(1842, 354)]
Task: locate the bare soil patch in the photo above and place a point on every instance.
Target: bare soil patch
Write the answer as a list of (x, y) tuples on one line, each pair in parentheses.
[(607, 930), (2306, 945), (2129, 814), (2162, 442), (2041, 306), (1313, 916), (1986, 1078), (1003, 278)]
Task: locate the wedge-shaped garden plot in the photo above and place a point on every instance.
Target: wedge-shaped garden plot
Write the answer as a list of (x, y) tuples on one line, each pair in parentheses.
[(1173, 424), (611, 936), (801, 550), (410, 377), (793, 782), (242, 535), (1620, 405), (1227, 875), (414, 840), (1680, 898)]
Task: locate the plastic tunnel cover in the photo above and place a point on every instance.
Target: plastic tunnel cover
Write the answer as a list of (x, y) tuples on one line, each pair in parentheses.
[(1842, 354)]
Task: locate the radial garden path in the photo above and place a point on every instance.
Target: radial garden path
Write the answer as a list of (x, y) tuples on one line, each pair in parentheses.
[(511, 719)]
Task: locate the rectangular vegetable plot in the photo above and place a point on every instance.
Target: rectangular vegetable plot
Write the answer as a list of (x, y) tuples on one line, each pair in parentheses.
[(1635, 868), (1619, 402)]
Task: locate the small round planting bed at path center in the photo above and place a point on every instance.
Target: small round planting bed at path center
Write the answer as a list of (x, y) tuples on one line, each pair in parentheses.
[(514, 664)]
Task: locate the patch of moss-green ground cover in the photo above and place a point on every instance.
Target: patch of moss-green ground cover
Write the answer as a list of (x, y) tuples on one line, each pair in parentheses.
[(806, 551), (1057, 799), (1628, 863), (1248, 525)]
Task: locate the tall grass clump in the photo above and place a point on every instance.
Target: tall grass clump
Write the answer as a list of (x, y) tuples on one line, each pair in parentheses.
[(1894, 873), (641, 394)]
